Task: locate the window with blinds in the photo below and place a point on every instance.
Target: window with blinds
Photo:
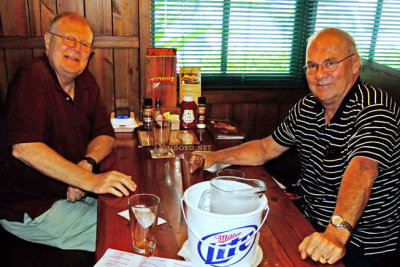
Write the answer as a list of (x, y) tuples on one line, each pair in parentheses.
[(261, 43), (374, 24)]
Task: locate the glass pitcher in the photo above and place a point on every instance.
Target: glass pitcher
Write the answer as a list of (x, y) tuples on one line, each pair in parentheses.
[(232, 195)]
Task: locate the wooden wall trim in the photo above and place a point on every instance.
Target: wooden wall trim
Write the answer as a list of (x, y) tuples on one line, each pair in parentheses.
[(116, 42), (24, 42)]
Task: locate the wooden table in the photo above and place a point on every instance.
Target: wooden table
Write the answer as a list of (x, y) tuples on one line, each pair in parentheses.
[(280, 236)]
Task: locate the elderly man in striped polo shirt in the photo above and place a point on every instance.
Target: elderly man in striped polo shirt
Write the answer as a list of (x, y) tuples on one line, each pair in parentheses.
[(346, 134)]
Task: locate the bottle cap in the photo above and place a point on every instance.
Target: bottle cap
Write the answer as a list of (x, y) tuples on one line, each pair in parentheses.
[(201, 100), (148, 102), (188, 98)]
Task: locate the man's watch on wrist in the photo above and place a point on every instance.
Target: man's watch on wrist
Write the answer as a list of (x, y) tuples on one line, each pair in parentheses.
[(339, 222), (91, 161)]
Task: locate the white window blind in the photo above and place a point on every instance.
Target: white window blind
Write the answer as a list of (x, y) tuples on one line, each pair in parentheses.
[(374, 24), (261, 43)]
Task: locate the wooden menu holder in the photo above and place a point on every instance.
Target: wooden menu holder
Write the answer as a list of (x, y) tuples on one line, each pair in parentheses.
[(161, 76)]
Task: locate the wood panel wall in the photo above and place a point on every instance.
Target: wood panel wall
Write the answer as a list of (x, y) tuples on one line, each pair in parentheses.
[(256, 112), (118, 32)]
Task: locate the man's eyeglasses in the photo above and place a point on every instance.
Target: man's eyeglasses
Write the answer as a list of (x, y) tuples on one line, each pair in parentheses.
[(328, 65), (71, 42)]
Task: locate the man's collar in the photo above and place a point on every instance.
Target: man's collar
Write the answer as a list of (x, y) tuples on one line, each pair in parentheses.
[(346, 100), (352, 90)]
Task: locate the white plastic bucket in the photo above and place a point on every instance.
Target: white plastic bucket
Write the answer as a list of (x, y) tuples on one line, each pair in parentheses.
[(221, 240)]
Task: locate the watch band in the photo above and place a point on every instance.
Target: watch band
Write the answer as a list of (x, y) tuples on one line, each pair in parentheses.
[(91, 161), (347, 226)]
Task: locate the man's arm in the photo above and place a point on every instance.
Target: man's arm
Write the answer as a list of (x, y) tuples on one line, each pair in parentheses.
[(98, 149), (354, 193), (251, 153), (47, 161)]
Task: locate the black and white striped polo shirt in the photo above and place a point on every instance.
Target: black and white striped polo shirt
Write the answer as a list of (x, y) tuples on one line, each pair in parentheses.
[(366, 124)]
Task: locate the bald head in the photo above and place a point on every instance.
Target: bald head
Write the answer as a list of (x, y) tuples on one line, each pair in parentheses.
[(339, 35), (71, 17)]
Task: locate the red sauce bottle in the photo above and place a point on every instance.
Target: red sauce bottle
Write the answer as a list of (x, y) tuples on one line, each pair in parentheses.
[(188, 117)]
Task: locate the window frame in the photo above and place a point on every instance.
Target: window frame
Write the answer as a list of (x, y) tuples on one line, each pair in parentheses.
[(304, 26)]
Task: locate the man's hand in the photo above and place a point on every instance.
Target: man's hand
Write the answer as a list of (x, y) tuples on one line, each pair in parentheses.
[(252, 153), (323, 247), (74, 194), (113, 182)]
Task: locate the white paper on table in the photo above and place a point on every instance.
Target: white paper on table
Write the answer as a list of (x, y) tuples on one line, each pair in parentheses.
[(218, 166), (164, 262), (125, 214), (117, 258)]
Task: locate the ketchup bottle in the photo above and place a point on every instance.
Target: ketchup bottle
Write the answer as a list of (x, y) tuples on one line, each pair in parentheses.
[(188, 117)]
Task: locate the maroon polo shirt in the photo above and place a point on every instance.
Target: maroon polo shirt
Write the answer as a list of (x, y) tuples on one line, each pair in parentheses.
[(38, 110)]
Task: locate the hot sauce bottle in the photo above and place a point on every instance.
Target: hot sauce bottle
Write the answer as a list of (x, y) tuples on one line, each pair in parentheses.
[(188, 117), (147, 114), (201, 112), (157, 110)]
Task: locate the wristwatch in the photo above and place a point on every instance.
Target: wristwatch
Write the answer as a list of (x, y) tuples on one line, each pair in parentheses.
[(338, 222), (91, 161)]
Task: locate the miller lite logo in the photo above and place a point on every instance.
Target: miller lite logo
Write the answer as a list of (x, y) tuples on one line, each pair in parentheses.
[(228, 247)]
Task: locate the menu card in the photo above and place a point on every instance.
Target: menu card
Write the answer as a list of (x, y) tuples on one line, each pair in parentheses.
[(161, 76), (117, 258), (190, 83)]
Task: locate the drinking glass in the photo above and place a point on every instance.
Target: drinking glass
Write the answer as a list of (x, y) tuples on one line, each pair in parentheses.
[(192, 166), (161, 131), (143, 216)]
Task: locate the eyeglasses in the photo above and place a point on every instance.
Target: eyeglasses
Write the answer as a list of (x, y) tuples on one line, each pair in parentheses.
[(71, 42), (328, 65)]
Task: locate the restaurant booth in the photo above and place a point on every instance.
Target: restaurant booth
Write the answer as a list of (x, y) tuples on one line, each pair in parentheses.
[(119, 64)]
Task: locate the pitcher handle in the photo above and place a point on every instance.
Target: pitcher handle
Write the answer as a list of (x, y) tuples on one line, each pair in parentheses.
[(214, 246), (202, 201)]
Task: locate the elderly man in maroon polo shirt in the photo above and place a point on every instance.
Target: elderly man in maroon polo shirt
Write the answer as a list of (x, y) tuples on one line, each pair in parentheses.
[(55, 128)]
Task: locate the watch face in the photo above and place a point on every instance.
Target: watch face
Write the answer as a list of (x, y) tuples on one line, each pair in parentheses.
[(337, 220)]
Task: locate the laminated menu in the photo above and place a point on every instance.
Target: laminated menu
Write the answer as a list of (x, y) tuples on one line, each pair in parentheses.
[(161, 76), (190, 83), (118, 258), (224, 130)]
